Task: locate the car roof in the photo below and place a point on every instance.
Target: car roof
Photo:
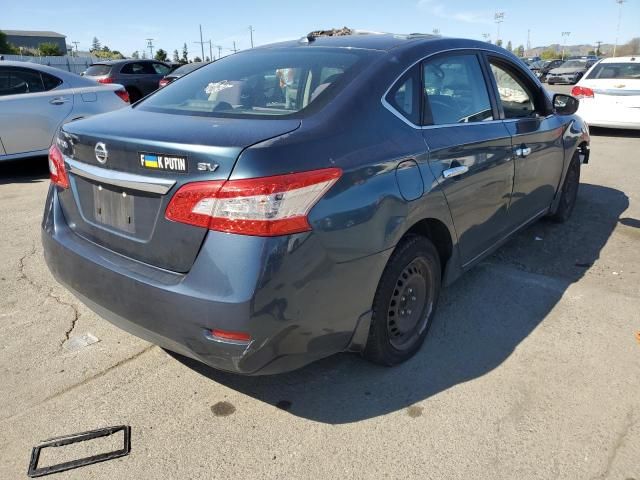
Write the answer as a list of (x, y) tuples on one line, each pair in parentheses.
[(635, 59), (74, 78), (366, 40), (127, 60)]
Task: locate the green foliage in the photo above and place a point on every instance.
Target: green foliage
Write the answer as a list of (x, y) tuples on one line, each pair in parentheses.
[(185, 54), (49, 49), (135, 55), (509, 46), (499, 42), (197, 59), (549, 54), (520, 51), (6, 47), (161, 55), (95, 45), (176, 56)]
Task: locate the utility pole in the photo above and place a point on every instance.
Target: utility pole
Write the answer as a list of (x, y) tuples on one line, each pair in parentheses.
[(150, 46), (235, 50), (201, 43), (615, 46), (565, 35), (598, 43), (210, 52), (251, 30), (528, 40), (76, 44), (498, 18), (219, 47), (436, 31)]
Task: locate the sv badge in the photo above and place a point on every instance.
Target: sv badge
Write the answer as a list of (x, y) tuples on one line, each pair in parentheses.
[(207, 167)]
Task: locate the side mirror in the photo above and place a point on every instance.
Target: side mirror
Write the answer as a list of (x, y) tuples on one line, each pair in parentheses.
[(565, 104)]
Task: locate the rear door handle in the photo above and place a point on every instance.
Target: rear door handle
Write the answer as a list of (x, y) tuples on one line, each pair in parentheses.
[(523, 151), (58, 101), (455, 171)]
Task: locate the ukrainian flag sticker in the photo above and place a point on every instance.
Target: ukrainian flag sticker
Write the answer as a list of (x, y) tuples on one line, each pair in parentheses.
[(149, 161)]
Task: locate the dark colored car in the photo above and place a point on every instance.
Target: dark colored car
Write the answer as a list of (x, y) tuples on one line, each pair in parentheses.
[(542, 68), (138, 77), (306, 198), (570, 71), (180, 72)]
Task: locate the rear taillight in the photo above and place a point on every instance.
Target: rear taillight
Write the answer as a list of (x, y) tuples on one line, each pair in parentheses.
[(105, 80), (123, 94), (267, 206), (163, 82), (581, 92), (57, 170)]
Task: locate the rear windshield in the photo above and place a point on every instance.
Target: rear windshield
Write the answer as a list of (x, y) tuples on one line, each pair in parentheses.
[(627, 71), (98, 70), (260, 83), (189, 67)]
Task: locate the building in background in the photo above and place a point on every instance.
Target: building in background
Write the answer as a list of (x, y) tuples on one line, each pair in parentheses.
[(32, 39)]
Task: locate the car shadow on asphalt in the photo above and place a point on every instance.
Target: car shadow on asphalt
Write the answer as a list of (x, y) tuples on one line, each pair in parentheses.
[(614, 132), (481, 320), (26, 170)]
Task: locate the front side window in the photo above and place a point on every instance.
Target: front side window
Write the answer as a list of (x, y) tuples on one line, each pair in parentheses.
[(455, 90), (517, 101), (136, 69), (626, 71), (260, 83)]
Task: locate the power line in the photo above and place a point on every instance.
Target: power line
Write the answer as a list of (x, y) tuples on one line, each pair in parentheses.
[(150, 46), (498, 18), (76, 44), (565, 35)]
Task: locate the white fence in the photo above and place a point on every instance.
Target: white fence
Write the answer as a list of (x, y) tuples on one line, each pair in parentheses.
[(70, 64)]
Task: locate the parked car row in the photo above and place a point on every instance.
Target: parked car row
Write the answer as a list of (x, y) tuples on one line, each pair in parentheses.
[(562, 71), (35, 100)]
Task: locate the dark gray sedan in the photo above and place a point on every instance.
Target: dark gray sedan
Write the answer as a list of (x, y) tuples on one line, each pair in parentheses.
[(306, 198), (139, 77)]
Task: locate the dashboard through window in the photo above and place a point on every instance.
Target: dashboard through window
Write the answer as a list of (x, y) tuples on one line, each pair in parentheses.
[(455, 90), (517, 100)]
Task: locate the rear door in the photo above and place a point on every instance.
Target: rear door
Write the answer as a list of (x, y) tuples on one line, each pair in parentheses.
[(33, 105), (536, 139), (470, 149)]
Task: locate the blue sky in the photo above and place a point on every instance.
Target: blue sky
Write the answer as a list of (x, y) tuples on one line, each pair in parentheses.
[(124, 25)]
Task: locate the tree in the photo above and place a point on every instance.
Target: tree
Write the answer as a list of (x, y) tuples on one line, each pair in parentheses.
[(499, 42), (95, 45), (135, 55), (509, 46), (197, 59), (161, 55), (520, 50), (144, 55), (207, 59), (176, 56), (185, 54), (549, 54), (6, 47), (632, 47), (48, 49)]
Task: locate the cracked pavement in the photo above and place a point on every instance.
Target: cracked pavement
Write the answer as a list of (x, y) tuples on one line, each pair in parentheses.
[(531, 370)]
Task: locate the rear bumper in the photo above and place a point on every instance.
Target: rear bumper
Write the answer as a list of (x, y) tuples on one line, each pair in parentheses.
[(569, 78), (296, 303), (612, 116)]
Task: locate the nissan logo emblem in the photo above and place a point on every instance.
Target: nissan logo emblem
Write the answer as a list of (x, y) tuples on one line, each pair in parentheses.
[(101, 153)]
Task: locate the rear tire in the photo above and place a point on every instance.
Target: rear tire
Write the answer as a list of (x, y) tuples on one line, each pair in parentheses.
[(569, 192), (405, 302)]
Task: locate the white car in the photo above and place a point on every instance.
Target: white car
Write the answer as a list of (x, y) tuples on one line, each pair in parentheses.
[(609, 93), (35, 100)]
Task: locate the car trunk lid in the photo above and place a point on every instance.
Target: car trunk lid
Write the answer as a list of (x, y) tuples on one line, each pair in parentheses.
[(125, 166)]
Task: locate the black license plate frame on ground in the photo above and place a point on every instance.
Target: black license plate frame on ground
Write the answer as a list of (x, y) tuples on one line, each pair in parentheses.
[(114, 208), (34, 471)]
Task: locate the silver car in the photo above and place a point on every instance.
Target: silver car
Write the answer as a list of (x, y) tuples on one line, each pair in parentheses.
[(35, 100)]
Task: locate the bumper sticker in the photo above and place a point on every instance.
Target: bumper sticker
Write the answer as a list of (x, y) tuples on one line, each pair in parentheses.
[(167, 163)]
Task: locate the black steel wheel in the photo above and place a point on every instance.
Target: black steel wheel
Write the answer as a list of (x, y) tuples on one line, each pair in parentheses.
[(405, 302)]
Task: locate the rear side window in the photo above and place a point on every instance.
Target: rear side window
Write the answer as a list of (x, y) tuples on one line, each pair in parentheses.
[(623, 71), (404, 96), (50, 82), (160, 69), (516, 99), (455, 90), (15, 81), (260, 83), (98, 70)]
